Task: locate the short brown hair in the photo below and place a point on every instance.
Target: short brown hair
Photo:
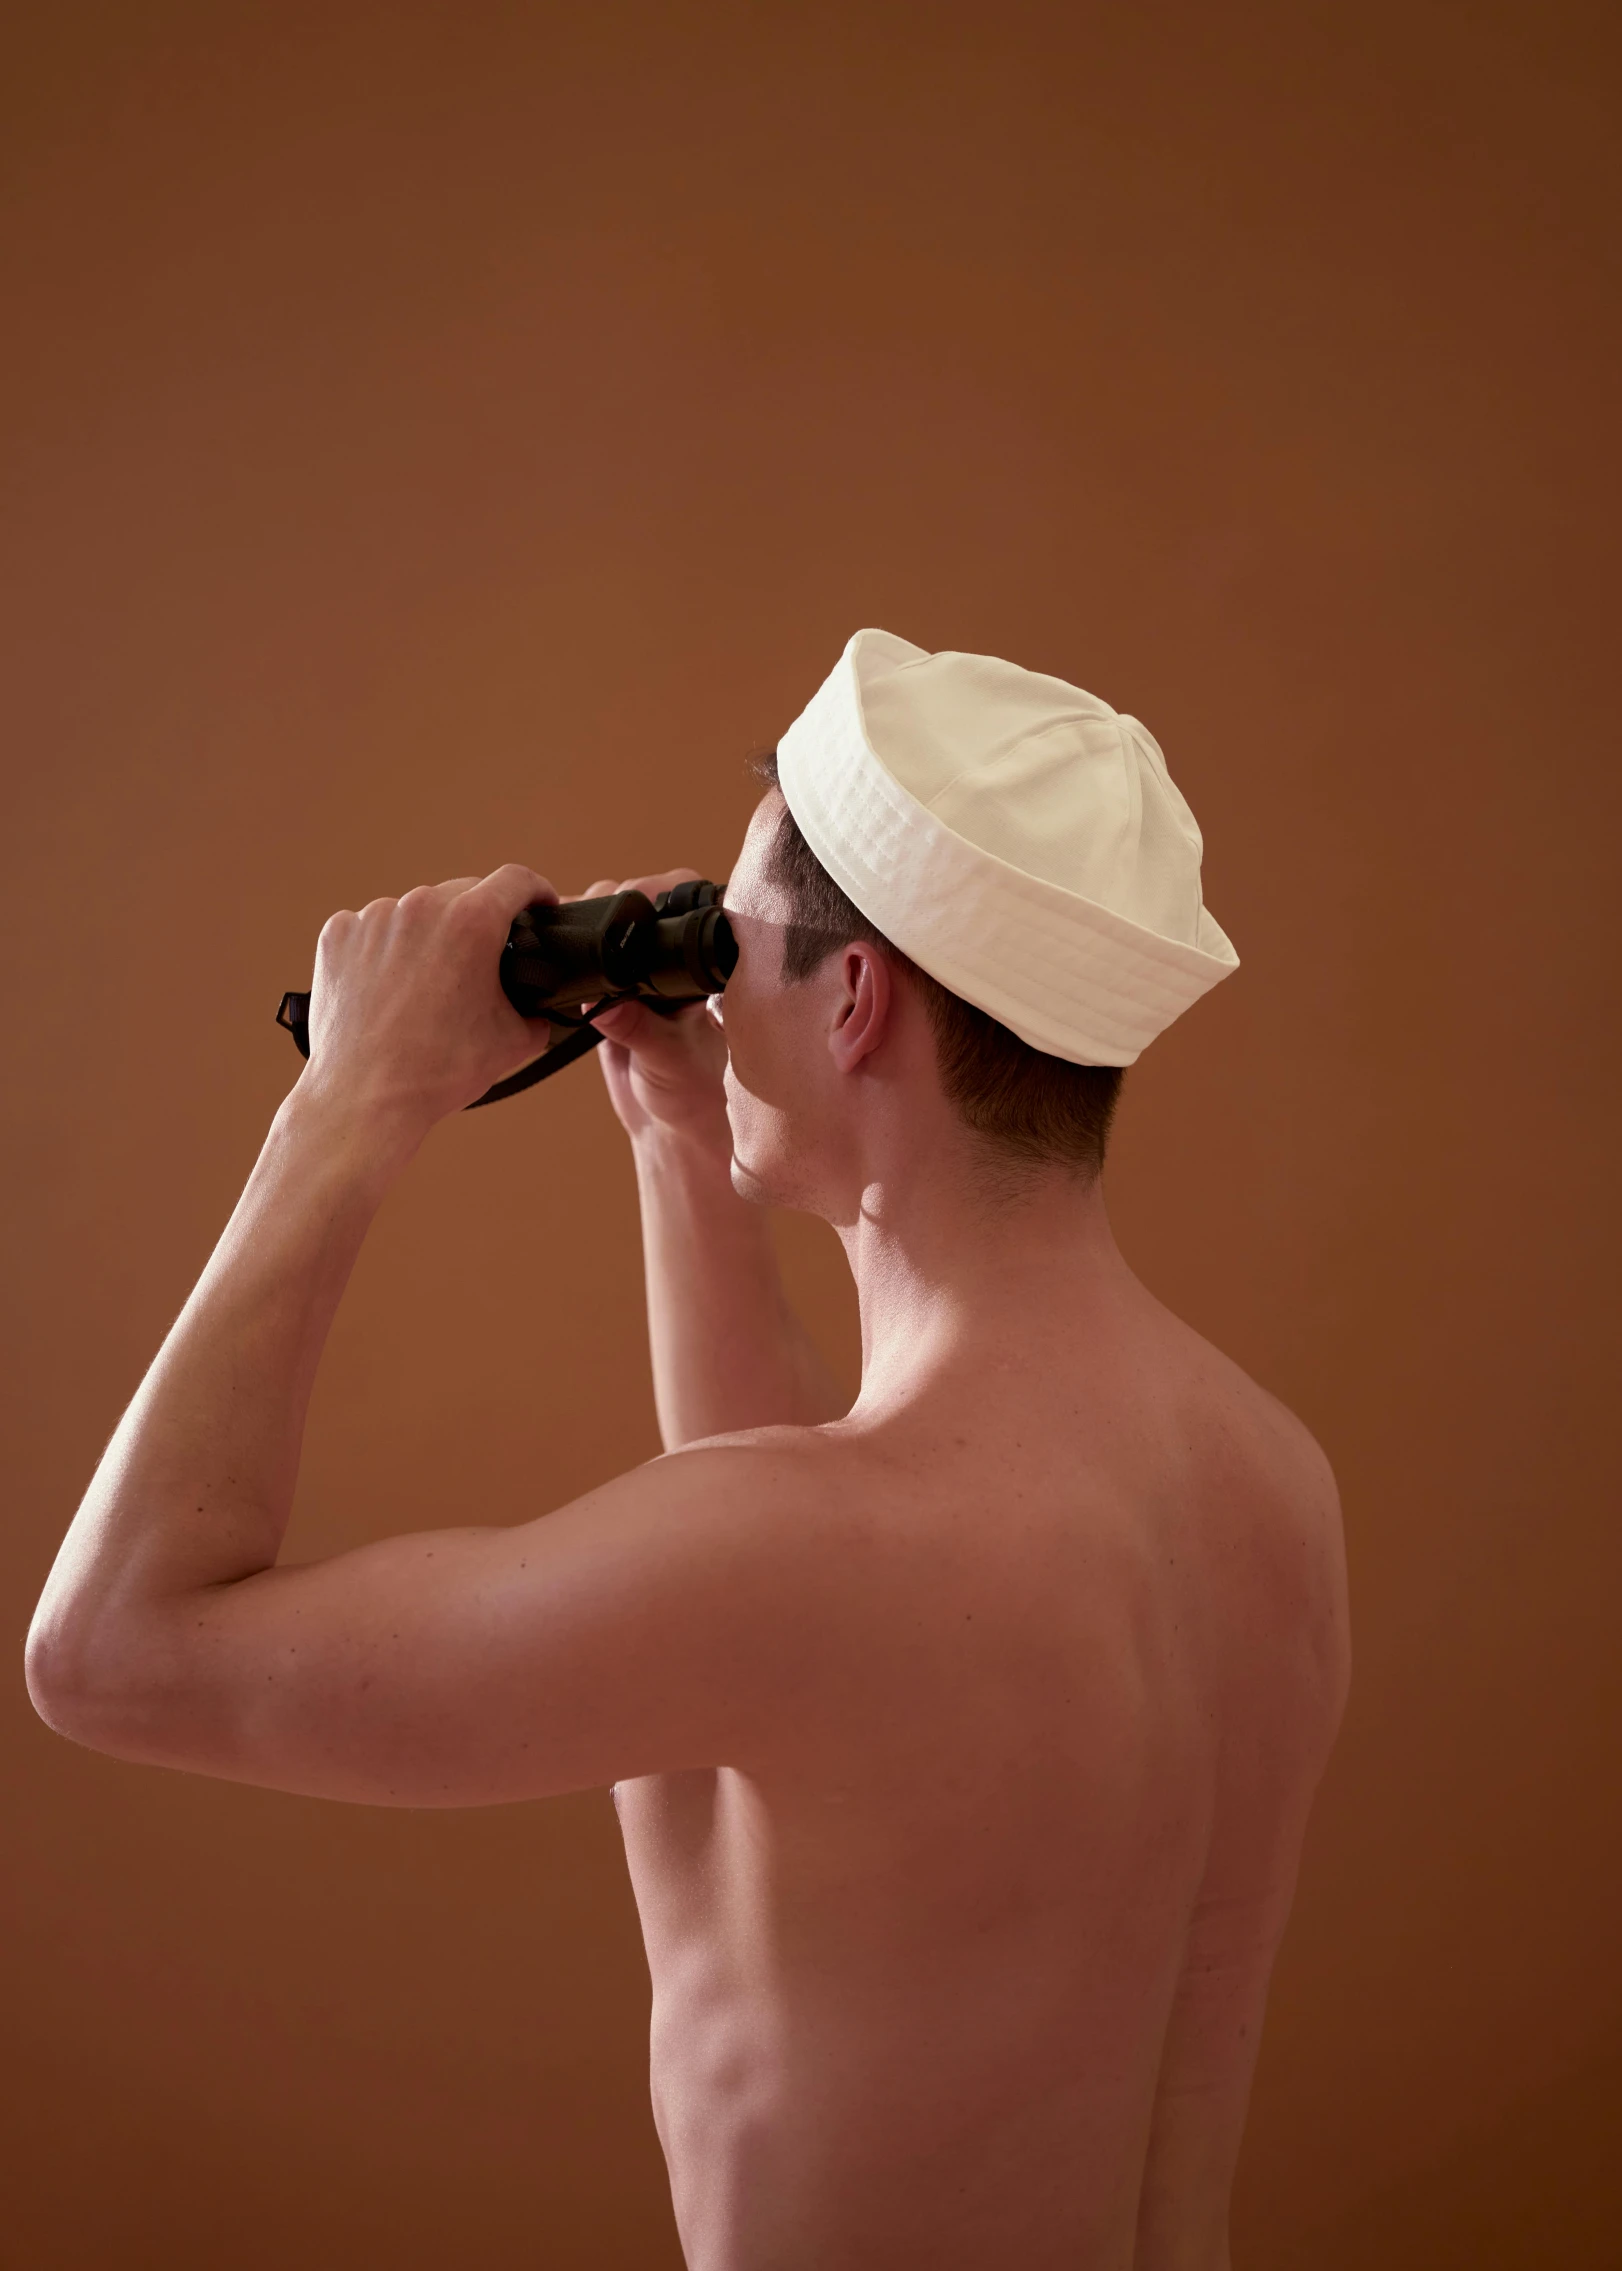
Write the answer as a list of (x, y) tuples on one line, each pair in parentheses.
[(1025, 1104)]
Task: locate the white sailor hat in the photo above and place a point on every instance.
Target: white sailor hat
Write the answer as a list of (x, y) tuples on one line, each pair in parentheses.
[(1017, 838)]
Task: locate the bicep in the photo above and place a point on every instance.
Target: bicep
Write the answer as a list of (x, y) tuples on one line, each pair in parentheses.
[(628, 1633)]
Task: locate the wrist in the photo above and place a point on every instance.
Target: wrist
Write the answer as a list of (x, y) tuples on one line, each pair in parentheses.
[(374, 1138)]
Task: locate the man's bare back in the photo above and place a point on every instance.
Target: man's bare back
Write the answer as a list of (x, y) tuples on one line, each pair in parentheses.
[(971, 1968), (964, 1739)]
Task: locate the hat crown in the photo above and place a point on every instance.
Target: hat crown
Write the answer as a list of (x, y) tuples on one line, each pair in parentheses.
[(1039, 773), (1017, 838)]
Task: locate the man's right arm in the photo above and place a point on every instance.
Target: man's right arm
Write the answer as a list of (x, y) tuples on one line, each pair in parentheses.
[(728, 1351)]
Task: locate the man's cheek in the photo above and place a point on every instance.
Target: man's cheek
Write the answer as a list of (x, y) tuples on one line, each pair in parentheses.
[(744, 1047), (751, 1139), (739, 1104)]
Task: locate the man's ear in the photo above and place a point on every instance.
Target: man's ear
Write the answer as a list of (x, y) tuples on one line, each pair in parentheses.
[(863, 1006)]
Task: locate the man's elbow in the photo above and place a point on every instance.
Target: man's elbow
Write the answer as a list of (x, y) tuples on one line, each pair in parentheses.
[(82, 1682), (50, 1673), (57, 1670)]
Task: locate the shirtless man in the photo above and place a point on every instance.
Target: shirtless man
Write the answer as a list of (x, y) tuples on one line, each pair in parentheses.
[(964, 1740)]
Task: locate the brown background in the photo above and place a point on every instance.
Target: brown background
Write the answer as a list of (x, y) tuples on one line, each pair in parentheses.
[(442, 435)]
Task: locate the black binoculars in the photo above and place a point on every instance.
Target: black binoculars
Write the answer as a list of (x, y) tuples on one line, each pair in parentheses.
[(570, 963)]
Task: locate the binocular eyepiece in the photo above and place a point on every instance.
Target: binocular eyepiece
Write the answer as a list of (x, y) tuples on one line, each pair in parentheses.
[(666, 953)]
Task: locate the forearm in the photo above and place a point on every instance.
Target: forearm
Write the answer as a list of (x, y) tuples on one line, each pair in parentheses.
[(195, 1488), (728, 1351)]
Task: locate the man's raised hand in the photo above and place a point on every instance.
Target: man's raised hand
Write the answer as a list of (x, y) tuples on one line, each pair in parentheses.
[(664, 1072), (407, 1015)]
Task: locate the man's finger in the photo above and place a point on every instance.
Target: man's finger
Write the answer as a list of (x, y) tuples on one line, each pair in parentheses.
[(511, 888), (627, 1024), (649, 885), (652, 885)]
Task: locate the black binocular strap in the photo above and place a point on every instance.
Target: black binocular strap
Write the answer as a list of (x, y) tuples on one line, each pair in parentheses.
[(579, 1043), (293, 1016)]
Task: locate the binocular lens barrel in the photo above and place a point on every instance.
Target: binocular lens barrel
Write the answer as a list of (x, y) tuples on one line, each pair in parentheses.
[(678, 949)]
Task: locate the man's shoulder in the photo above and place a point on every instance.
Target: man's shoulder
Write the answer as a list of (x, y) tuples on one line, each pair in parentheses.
[(748, 1469), (1260, 1479), (748, 1480), (1242, 1423), (1270, 1492), (782, 1510)]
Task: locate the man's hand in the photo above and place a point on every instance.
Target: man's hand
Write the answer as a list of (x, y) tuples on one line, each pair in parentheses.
[(665, 1072), (407, 1015), (728, 1351)]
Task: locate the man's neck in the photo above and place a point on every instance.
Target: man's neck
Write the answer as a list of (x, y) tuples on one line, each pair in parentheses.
[(960, 1268)]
